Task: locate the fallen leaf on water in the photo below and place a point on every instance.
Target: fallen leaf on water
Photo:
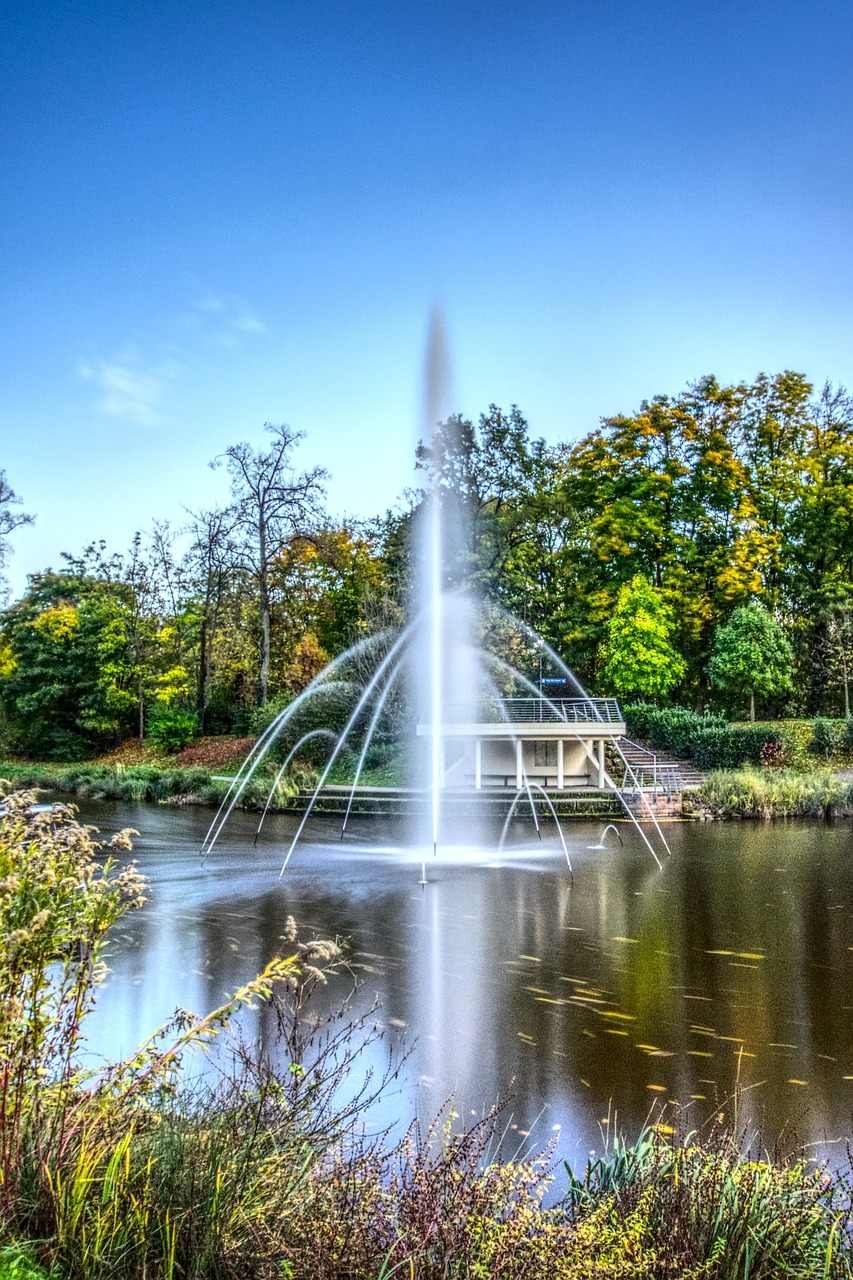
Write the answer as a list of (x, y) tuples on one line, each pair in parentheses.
[(802, 1082)]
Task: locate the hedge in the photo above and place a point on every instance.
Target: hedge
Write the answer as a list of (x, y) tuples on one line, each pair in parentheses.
[(709, 740)]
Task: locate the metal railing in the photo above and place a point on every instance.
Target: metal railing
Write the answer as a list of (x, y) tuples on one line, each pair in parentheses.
[(648, 773), (538, 711)]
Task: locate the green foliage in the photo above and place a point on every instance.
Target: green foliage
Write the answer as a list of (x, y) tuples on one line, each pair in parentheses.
[(827, 738), (700, 1209), (708, 739), (170, 728), (669, 728), (638, 657), (18, 1263), (68, 687), (751, 655)]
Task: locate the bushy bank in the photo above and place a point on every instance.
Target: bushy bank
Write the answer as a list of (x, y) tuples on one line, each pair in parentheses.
[(125, 1172), (709, 740), (775, 793), (715, 743), (142, 782)]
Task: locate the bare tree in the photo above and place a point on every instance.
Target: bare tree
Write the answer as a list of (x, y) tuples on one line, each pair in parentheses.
[(271, 502), (10, 520)]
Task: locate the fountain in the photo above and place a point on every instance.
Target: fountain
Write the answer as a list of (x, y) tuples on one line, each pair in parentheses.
[(490, 732)]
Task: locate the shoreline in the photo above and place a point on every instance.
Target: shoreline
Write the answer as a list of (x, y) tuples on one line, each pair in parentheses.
[(726, 795)]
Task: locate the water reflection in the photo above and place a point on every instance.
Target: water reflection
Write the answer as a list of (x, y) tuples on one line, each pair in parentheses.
[(627, 987)]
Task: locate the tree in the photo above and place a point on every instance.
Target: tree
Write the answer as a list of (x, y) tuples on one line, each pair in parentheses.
[(638, 657), (751, 655), (69, 680), (213, 582), (271, 503), (10, 520), (835, 652)]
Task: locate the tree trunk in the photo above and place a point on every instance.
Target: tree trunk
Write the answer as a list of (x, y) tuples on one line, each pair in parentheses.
[(201, 683), (752, 707), (264, 673), (846, 689), (264, 593), (141, 713)]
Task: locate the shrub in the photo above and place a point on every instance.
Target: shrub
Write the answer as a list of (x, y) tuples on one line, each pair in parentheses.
[(771, 755), (826, 739), (710, 740), (170, 728)]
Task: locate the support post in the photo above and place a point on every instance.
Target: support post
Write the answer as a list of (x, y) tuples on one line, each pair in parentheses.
[(601, 764), (519, 765), (478, 764), (561, 772)]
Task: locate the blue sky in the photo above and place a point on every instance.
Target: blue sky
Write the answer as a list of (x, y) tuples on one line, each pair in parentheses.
[(214, 215)]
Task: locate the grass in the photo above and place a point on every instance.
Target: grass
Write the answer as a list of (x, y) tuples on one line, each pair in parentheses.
[(776, 793)]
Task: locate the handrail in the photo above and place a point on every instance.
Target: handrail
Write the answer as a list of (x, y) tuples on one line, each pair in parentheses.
[(540, 710)]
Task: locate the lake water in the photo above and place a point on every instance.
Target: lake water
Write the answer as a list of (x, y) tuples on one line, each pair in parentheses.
[(627, 988)]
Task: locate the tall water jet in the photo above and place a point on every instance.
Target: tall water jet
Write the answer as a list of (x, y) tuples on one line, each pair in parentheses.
[(437, 402)]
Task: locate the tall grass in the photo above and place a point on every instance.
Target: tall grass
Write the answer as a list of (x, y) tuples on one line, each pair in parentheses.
[(754, 793), (140, 783), (129, 1173)]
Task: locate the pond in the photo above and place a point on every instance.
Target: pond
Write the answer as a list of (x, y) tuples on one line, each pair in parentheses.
[(588, 1001)]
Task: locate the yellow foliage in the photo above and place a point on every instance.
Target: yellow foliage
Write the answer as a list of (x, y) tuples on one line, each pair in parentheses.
[(59, 622), (8, 661)]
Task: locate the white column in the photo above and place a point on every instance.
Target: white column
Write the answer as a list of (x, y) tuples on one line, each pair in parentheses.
[(519, 765), (560, 766), (478, 764), (601, 764)]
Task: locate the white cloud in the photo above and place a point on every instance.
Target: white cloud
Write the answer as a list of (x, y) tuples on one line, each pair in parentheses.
[(131, 386), (135, 386), (232, 315)]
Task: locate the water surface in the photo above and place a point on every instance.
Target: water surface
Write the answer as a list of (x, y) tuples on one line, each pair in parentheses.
[(625, 987)]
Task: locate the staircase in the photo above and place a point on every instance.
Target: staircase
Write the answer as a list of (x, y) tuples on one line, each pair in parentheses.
[(650, 767)]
